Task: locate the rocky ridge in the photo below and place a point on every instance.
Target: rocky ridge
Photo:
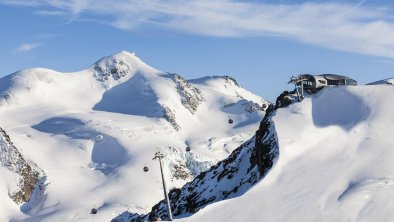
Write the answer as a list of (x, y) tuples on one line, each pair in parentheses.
[(191, 96), (12, 160), (114, 70)]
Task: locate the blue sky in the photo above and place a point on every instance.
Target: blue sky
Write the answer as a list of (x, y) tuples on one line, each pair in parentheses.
[(260, 43)]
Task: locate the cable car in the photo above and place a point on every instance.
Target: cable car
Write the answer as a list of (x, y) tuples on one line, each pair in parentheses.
[(93, 211)]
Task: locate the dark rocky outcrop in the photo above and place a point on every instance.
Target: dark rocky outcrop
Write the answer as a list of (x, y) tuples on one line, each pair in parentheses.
[(169, 115), (284, 99), (114, 69), (229, 178), (263, 153), (191, 96), (230, 79), (12, 160)]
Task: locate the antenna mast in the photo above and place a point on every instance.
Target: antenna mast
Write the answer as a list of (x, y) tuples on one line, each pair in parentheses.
[(159, 156)]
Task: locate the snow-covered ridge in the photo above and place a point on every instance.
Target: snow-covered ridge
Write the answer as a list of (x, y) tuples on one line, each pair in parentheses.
[(389, 81), (40, 82), (227, 79)]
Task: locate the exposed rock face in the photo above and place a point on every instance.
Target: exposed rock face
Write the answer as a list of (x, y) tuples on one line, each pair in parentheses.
[(186, 165), (12, 160), (227, 179), (247, 105), (191, 96), (252, 107), (230, 79), (114, 69), (264, 154), (285, 99), (180, 172), (169, 115)]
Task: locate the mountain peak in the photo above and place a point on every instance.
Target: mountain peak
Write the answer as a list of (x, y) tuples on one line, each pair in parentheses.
[(117, 66), (125, 55)]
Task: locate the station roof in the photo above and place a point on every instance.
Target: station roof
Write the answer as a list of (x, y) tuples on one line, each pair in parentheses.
[(333, 76)]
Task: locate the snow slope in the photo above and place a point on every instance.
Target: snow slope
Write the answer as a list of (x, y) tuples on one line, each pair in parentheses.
[(389, 81), (93, 131), (335, 162)]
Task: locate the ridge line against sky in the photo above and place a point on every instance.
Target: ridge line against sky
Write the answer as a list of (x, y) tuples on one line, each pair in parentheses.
[(259, 42), (340, 26)]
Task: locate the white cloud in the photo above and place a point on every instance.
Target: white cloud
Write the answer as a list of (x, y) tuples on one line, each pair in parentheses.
[(50, 12), (355, 28), (25, 47), (20, 2)]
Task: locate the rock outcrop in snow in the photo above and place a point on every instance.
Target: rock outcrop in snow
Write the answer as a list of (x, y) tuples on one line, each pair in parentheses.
[(114, 70), (230, 80), (191, 96), (186, 165), (169, 115), (118, 68), (24, 175)]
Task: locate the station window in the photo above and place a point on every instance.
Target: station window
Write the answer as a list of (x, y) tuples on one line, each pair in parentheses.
[(333, 82), (308, 83)]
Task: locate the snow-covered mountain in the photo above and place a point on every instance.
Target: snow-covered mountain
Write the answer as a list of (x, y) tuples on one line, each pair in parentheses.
[(332, 162), (389, 81), (89, 134)]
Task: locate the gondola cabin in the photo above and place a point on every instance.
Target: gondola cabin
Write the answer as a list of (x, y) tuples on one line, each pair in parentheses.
[(93, 211)]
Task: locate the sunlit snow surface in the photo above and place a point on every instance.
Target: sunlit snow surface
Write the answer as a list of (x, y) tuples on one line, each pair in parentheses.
[(335, 162), (389, 81), (92, 133)]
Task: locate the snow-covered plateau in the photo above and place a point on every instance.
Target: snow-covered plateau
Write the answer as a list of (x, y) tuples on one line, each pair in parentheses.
[(71, 142)]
